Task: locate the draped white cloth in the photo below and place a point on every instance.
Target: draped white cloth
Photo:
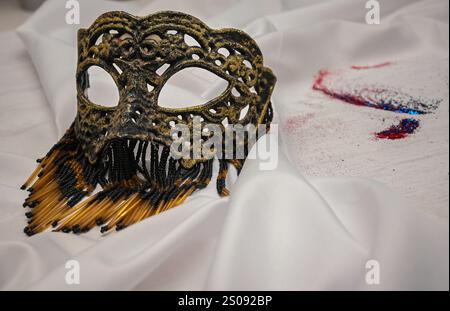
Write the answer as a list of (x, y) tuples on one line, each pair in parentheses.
[(280, 229)]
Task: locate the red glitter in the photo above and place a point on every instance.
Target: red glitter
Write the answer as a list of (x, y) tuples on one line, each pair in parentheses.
[(372, 67), (294, 123), (348, 98), (401, 130)]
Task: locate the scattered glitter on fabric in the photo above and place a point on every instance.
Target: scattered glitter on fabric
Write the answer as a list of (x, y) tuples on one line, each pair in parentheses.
[(401, 130), (296, 122), (372, 66), (373, 96)]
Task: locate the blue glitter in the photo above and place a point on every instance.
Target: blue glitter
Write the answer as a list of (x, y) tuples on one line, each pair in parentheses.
[(403, 129)]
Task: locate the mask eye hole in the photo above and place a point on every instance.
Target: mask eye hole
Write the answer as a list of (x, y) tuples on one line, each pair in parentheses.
[(102, 89), (191, 87)]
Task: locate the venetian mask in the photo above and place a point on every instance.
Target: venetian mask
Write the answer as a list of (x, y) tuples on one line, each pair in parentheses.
[(114, 165)]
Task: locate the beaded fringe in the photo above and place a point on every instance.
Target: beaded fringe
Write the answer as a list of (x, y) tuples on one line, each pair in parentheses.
[(62, 187)]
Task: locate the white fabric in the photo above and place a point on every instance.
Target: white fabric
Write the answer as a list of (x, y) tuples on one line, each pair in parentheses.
[(278, 230)]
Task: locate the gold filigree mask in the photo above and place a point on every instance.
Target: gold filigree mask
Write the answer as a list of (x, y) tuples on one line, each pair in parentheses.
[(113, 167)]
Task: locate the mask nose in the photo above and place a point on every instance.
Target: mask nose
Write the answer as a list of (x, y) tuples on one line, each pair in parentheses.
[(130, 113), (137, 115)]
